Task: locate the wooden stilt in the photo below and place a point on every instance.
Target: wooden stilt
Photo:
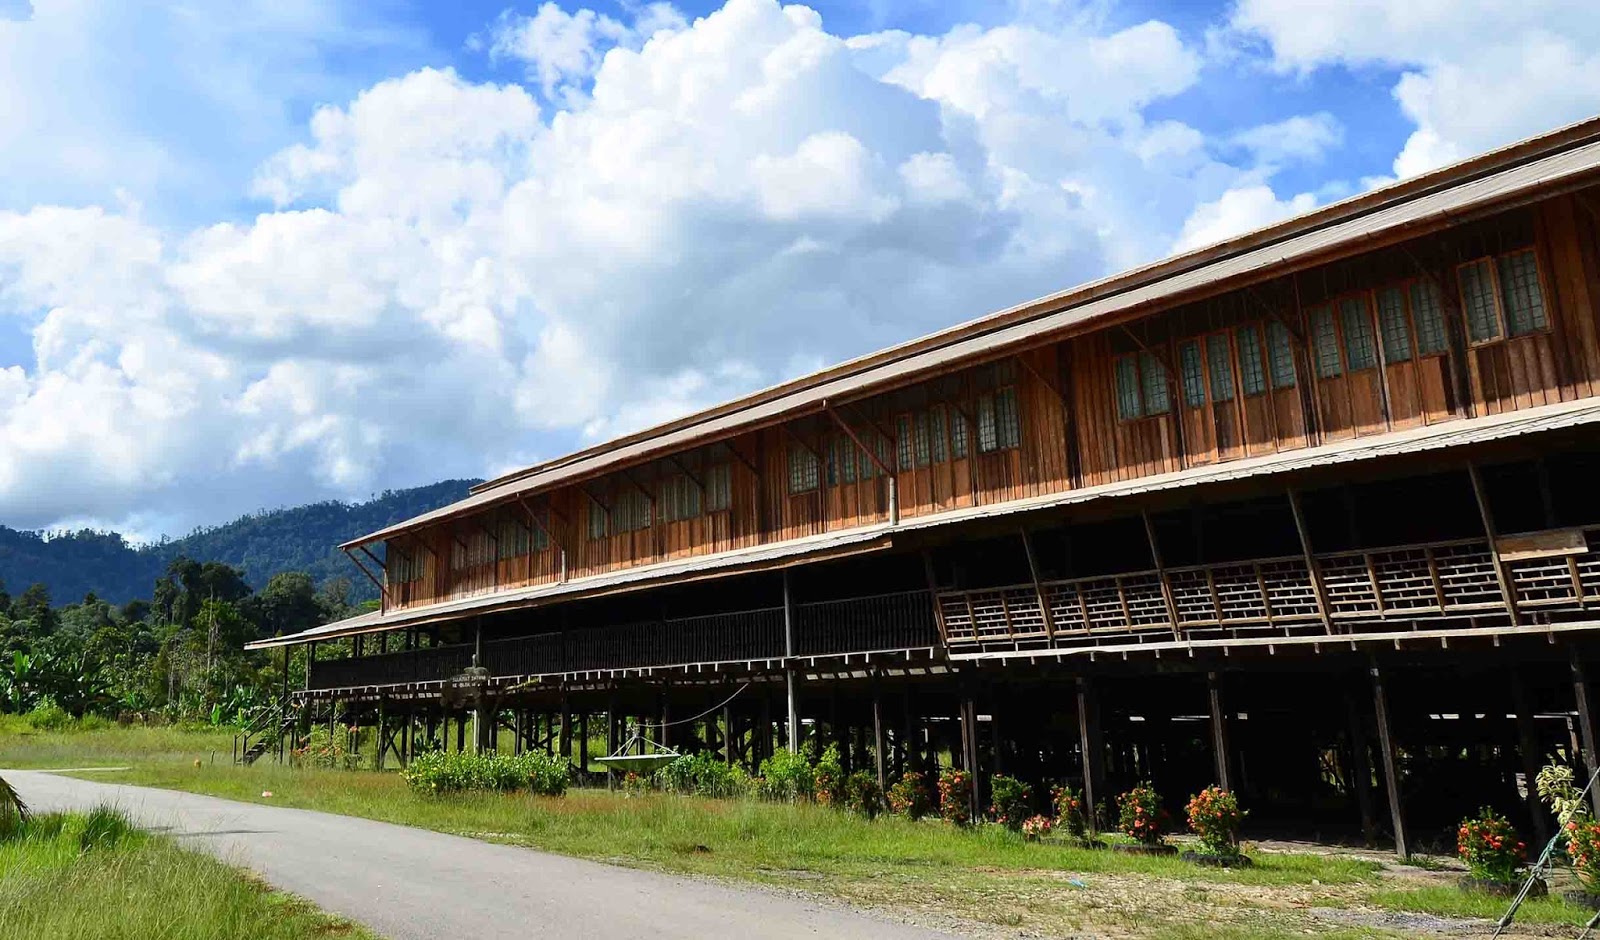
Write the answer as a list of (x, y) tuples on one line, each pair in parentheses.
[(583, 741), (1528, 754), (1391, 772), (1586, 731), (1219, 732), (969, 743), (877, 736), (566, 728), (1361, 770), (1092, 745), (383, 735)]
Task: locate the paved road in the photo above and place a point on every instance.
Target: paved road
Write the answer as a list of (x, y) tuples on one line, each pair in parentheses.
[(411, 883)]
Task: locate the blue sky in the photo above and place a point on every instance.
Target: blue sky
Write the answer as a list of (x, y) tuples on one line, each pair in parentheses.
[(281, 251)]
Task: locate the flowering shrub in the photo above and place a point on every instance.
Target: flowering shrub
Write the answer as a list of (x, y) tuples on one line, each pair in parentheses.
[(1035, 828), (704, 774), (1070, 812), (440, 772), (909, 796), (322, 749), (1583, 849), (861, 794), (955, 796), (1009, 801), (1140, 814), (634, 784), (787, 777), (1214, 816), (829, 777), (1489, 846)]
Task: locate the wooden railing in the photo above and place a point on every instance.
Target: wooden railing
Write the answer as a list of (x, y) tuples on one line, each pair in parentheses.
[(1437, 579), (865, 624)]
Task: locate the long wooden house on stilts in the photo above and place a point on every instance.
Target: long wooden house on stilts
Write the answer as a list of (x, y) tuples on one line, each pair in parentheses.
[(1313, 513)]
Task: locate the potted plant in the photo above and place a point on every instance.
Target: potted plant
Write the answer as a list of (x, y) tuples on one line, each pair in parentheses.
[(1214, 816), (1493, 855), (909, 796), (1141, 817)]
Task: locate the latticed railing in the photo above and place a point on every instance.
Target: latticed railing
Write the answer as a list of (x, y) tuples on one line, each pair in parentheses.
[(1438, 579)]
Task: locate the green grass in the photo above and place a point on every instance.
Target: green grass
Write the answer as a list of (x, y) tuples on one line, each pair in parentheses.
[(986, 874), (71, 876), (23, 746)]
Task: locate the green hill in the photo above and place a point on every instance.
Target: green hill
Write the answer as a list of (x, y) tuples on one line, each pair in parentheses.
[(263, 544)]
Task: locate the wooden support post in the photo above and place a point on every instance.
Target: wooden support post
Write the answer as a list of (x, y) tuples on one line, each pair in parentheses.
[(383, 736), (1361, 770), (566, 728), (1161, 574), (729, 754), (1581, 694), (1219, 732), (790, 679), (611, 737), (461, 731), (1528, 753), (1507, 593), (1318, 588), (1391, 771), (1092, 745), (583, 741), (877, 736), (969, 742)]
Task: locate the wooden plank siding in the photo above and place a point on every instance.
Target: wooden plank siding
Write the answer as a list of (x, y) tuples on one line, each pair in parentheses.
[(1359, 346)]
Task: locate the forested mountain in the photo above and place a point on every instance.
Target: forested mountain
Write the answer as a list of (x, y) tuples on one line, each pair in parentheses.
[(302, 538)]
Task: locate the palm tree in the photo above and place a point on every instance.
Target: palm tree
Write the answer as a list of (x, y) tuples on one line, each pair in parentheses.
[(13, 812)]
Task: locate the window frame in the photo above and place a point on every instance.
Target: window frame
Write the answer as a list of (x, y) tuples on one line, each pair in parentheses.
[(1139, 359), (1497, 294), (805, 477), (1263, 375), (1007, 434)]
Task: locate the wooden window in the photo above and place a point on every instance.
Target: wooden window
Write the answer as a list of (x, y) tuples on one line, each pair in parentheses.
[(680, 498), (803, 469), (471, 549), (938, 428), (1520, 295), (401, 565), (1392, 325), (599, 520), (1360, 348), (512, 535), (1128, 407), (924, 450), (958, 436), (903, 443), (1220, 359), (1280, 355), (841, 461), (631, 512), (1194, 374), (1427, 315), (1478, 303), (1153, 385), (1252, 371), (719, 487), (1325, 339), (999, 427)]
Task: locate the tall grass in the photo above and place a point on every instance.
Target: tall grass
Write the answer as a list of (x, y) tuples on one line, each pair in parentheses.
[(73, 876), (23, 746)]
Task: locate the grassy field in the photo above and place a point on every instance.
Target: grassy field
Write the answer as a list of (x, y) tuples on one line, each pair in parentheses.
[(986, 875), (72, 876)]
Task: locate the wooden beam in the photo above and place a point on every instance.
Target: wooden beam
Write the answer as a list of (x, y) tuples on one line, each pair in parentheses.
[(1529, 753), (383, 590), (1028, 367), (1583, 698), (1038, 586), (1391, 772), (1313, 570), (1507, 591), (1361, 769), (883, 468), (1220, 754), (1161, 575), (1092, 746)]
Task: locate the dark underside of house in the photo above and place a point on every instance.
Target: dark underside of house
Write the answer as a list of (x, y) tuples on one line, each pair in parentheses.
[(1304, 639)]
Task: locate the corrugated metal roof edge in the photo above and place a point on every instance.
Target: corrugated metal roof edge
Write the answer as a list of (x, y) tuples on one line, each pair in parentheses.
[(1464, 172), (1415, 440)]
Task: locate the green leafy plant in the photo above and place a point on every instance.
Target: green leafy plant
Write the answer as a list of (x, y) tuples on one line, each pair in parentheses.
[(829, 778), (1214, 816), (1140, 815), (1071, 814), (1488, 844), (437, 772), (1036, 828), (786, 777), (910, 796), (955, 797), (1010, 801), (13, 811), (705, 775), (862, 794)]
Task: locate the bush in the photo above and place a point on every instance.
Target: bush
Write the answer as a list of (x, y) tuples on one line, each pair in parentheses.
[(910, 797), (1214, 816), (955, 797), (862, 795), (1010, 801), (1035, 828), (439, 772), (704, 775), (828, 781), (1070, 811), (322, 749), (787, 777), (48, 716), (1583, 850), (1140, 814), (1490, 848)]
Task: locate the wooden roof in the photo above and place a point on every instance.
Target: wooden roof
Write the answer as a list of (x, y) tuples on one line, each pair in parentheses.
[(1512, 175)]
